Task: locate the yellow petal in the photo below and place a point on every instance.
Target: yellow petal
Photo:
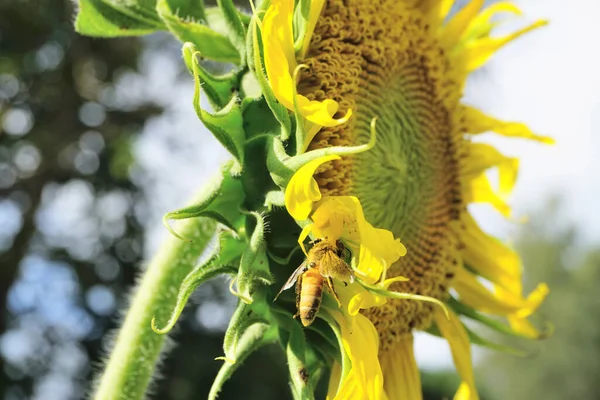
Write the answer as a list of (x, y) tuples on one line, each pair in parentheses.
[(482, 157), (436, 10), (302, 190), (478, 52), (303, 235), (501, 302), (278, 45), (378, 248), (462, 19), (361, 343), (374, 249), (456, 335), (482, 24), (280, 63), (488, 256), (477, 122), (479, 190), (401, 377), (474, 294), (335, 217), (334, 380)]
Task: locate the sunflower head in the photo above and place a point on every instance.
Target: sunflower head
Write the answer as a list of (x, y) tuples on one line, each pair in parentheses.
[(345, 125)]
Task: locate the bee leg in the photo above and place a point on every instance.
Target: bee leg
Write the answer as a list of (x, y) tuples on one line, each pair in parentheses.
[(335, 296)]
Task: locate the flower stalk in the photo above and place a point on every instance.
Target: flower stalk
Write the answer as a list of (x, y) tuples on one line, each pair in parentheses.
[(137, 348)]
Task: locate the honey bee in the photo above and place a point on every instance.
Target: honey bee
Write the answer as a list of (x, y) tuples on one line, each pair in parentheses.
[(325, 261)]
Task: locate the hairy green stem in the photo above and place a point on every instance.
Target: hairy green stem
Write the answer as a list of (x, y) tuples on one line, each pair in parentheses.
[(137, 348)]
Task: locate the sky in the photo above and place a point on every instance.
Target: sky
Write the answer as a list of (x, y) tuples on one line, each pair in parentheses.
[(546, 79)]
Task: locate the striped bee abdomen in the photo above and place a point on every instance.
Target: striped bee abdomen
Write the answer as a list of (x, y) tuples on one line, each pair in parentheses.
[(310, 296)]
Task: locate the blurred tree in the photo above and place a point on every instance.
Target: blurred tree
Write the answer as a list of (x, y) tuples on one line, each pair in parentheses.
[(63, 155), (568, 362), (72, 212)]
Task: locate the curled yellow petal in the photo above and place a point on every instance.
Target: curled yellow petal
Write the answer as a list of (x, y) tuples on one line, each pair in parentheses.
[(500, 302), (477, 122), (479, 190), (455, 28), (482, 24), (302, 190), (478, 52), (482, 157)]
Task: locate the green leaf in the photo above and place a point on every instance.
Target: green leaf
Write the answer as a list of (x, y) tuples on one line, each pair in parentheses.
[(222, 203), (188, 28), (106, 18)]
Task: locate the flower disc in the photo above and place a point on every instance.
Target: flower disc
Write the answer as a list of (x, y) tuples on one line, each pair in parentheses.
[(381, 60)]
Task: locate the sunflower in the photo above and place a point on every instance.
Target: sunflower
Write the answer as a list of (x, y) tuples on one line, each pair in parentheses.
[(403, 64), (345, 125)]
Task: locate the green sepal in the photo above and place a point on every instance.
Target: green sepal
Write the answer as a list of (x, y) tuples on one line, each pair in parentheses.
[(279, 110), (187, 28), (254, 264), (242, 319), (491, 323), (252, 338), (250, 90), (226, 125), (258, 119), (301, 17), (256, 179), (207, 270), (296, 162), (277, 162), (218, 89), (274, 198), (236, 29), (221, 203), (282, 167), (110, 18)]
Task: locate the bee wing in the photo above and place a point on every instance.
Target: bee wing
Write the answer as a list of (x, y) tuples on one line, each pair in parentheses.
[(292, 279)]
